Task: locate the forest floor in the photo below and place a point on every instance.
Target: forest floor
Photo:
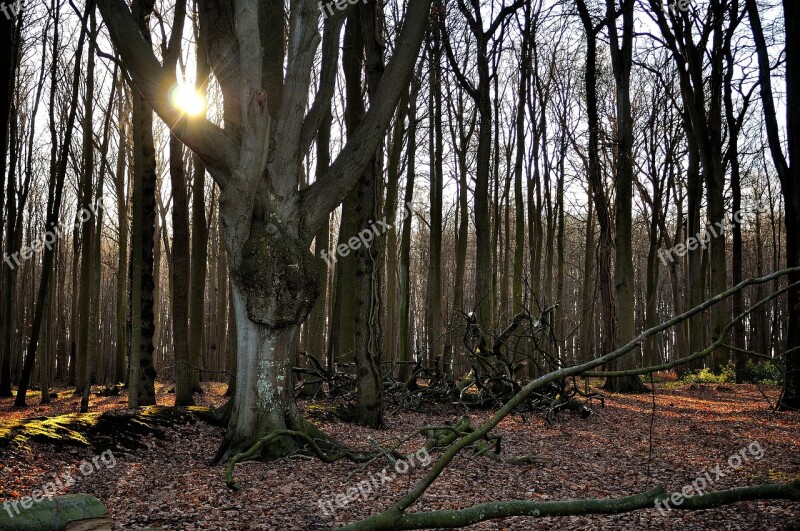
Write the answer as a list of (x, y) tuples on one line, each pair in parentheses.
[(625, 448)]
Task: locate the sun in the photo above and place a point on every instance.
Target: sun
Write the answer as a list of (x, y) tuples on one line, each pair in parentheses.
[(187, 100)]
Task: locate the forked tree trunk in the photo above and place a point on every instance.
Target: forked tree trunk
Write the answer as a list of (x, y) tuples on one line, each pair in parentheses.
[(269, 222)]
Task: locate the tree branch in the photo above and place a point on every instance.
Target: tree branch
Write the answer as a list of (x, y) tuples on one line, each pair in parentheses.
[(646, 500), (319, 199), (217, 150)]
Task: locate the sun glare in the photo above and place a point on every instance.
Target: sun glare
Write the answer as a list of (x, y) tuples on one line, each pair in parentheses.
[(185, 98)]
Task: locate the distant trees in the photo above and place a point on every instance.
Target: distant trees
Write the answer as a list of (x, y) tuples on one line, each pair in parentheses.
[(559, 162)]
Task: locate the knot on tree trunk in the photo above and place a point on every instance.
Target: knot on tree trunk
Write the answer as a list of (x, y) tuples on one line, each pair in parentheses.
[(279, 276)]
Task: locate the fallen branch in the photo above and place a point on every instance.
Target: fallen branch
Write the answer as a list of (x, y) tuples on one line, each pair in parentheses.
[(646, 500), (392, 516)]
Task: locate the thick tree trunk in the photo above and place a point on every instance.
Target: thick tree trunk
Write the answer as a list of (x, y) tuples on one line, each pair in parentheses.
[(143, 373), (269, 222), (789, 174), (273, 289), (621, 57)]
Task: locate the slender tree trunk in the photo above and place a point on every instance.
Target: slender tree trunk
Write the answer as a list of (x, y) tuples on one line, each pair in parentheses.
[(369, 263), (606, 245), (390, 213), (12, 239), (621, 58), (86, 228), (587, 346), (433, 302), (519, 199), (120, 372), (7, 72), (405, 240)]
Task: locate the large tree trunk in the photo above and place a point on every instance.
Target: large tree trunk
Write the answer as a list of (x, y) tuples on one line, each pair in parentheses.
[(621, 58), (789, 174), (141, 379), (269, 221), (273, 289)]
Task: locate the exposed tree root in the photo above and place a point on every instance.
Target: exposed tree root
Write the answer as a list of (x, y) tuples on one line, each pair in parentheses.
[(489, 446), (329, 450)]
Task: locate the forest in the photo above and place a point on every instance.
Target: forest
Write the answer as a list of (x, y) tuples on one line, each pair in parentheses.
[(399, 264)]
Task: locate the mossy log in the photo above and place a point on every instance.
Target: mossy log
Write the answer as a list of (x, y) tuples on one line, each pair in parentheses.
[(657, 498), (71, 511)]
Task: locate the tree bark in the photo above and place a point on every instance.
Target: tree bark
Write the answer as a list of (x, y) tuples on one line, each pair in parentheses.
[(605, 244), (622, 60), (789, 176)]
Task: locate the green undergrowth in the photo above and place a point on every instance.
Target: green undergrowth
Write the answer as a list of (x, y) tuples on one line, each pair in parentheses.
[(118, 431), (326, 412), (765, 372)]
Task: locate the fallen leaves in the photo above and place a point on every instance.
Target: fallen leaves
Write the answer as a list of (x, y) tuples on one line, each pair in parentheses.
[(170, 483)]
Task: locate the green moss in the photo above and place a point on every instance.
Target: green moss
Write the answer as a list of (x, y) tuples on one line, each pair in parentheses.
[(100, 430), (53, 513)]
